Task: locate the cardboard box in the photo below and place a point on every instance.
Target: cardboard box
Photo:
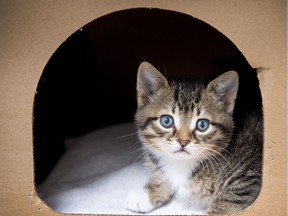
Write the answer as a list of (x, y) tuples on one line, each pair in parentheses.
[(31, 32)]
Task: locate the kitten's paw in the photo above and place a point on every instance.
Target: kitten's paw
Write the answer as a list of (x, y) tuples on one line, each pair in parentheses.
[(139, 202)]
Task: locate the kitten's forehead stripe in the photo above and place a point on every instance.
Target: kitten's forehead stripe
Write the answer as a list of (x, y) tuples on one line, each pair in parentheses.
[(176, 94), (198, 111), (186, 96), (173, 109)]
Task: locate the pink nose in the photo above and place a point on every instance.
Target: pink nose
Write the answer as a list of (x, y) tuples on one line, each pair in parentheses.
[(183, 142)]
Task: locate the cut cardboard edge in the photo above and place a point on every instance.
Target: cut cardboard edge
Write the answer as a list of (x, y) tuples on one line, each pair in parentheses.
[(30, 48)]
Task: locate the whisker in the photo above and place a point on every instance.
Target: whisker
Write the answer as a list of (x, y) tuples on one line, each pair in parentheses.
[(165, 73), (219, 162), (210, 162), (214, 160), (135, 143), (127, 135), (139, 156), (135, 152), (202, 159), (223, 149), (218, 153)]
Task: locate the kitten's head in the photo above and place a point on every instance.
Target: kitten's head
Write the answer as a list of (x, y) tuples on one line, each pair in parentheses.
[(184, 120)]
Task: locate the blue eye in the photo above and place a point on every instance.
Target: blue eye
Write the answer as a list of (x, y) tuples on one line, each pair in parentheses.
[(167, 121), (202, 125)]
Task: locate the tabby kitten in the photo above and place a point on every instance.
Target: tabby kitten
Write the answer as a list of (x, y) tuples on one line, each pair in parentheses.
[(190, 150)]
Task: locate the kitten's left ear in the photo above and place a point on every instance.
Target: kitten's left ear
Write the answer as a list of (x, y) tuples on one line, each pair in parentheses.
[(224, 90)]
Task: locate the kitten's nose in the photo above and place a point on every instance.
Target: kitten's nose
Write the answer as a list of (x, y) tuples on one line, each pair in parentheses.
[(183, 142)]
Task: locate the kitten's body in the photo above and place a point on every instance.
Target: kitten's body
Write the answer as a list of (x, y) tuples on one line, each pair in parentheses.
[(214, 168)]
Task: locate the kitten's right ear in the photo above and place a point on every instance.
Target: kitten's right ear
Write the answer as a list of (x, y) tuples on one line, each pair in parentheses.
[(149, 83), (224, 90)]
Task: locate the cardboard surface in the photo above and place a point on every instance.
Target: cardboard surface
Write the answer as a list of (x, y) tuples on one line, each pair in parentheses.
[(32, 31)]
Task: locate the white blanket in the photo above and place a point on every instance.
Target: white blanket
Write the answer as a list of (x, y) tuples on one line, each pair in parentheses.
[(97, 172)]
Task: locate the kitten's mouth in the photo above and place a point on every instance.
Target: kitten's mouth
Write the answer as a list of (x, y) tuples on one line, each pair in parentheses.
[(181, 151)]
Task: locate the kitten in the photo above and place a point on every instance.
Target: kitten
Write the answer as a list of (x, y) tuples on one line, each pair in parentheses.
[(190, 151)]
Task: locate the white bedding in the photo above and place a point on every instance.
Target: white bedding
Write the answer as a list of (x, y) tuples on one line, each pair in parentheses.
[(97, 172)]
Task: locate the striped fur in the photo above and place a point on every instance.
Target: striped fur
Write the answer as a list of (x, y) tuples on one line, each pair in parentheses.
[(215, 170)]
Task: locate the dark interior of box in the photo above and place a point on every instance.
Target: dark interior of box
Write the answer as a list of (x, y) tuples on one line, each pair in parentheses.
[(90, 81)]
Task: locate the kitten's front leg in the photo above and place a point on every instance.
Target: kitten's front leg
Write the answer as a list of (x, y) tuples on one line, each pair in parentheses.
[(235, 197), (149, 198), (220, 207), (232, 202)]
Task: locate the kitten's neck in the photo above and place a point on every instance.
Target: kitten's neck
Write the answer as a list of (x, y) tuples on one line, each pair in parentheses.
[(179, 171)]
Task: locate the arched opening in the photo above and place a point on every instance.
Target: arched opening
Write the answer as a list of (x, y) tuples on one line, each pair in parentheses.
[(89, 83)]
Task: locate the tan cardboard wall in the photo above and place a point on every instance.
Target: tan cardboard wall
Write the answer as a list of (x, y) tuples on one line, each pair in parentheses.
[(31, 30)]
